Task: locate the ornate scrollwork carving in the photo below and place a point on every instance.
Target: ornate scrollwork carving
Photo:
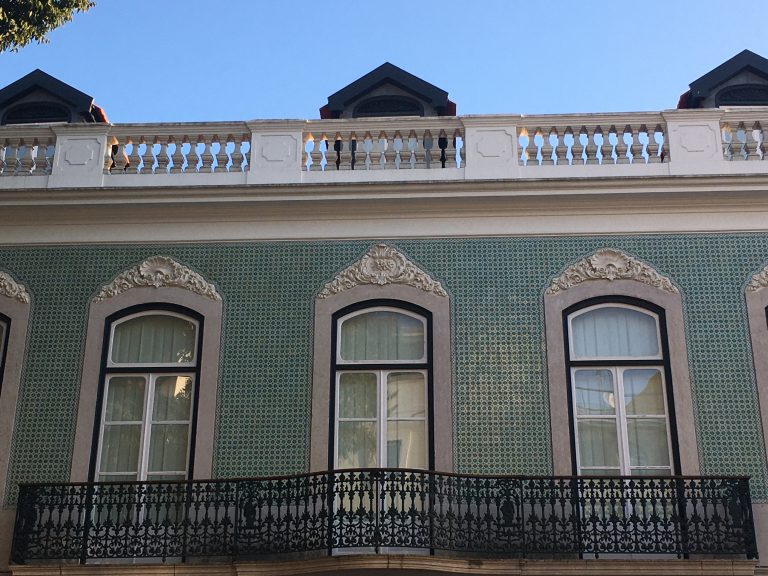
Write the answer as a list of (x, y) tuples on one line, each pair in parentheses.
[(758, 281), (158, 272), (12, 289), (382, 265), (610, 264)]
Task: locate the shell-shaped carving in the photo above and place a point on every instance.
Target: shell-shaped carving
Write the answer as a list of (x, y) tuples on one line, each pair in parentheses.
[(382, 265), (158, 272), (610, 264), (758, 281), (12, 289)]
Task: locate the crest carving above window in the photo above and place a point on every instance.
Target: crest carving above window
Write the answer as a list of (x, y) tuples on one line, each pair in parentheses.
[(12, 289)]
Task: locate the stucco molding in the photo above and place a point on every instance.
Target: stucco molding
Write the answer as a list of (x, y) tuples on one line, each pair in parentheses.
[(158, 272), (610, 264), (382, 265), (12, 289), (758, 281)]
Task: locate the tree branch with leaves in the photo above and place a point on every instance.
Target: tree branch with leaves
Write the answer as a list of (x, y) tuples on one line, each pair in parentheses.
[(25, 21)]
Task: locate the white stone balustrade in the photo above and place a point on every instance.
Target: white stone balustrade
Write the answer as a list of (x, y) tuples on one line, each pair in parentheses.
[(403, 149), (177, 149), (593, 140)]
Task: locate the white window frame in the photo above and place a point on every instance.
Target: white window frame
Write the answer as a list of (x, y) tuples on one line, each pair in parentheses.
[(148, 372), (618, 366)]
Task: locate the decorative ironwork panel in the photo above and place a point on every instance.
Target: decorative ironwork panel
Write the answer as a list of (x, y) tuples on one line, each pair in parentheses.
[(385, 509)]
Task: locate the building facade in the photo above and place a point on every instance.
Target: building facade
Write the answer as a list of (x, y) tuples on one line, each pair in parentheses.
[(480, 344)]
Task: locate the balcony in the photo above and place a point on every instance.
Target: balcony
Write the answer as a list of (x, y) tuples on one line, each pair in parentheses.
[(385, 511), (404, 149)]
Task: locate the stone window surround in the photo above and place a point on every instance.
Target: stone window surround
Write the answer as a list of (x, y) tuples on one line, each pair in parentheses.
[(554, 306), (18, 314), (442, 410), (207, 387), (757, 308)]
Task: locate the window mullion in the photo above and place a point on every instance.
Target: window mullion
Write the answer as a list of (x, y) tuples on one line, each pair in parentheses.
[(621, 418), (149, 401), (382, 425)]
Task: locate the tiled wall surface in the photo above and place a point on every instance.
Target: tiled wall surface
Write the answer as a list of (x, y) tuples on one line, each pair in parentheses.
[(499, 366)]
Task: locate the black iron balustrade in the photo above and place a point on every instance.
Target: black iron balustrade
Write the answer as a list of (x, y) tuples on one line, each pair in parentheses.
[(377, 510)]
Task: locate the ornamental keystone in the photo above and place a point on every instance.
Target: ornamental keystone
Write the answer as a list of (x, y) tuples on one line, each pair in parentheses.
[(382, 265), (12, 289), (758, 281), (610, 264), (158, 272)]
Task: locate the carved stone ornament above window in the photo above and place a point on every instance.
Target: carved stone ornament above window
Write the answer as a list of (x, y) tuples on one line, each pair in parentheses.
[(12, 289), (758, 281), (158, 272), (382, 265), (610, 264)]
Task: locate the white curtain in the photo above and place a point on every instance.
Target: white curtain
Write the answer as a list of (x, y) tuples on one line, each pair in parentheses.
[(382, 335), (614, 332), (154, 339)]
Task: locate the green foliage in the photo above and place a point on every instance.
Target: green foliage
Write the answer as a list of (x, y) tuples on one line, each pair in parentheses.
[(22, 21)]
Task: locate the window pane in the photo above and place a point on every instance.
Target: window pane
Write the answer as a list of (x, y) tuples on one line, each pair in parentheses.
[(648, 445), (120, 448), (358, 395), (156, 339), (661, 472), (125, 399), (643, 392), (405, 395), (168, 447), (406, 444), (357, 445), (594, 392), (173, 398), (382, 335), (614, 332), (600, 471), (598, 443)]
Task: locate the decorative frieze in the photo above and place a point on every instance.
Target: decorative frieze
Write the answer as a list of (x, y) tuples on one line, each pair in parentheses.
[(758, 281), (12, 289), (382, 265), (610, 264), (158, 272)]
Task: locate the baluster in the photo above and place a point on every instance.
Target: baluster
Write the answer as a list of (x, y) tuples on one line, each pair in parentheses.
[(661, 138), (109, 155), (644, 153), (758, 138), (442, 144), (727, 141), (741, 136), (39, 160), (338, 146), (207, 155), (599, 140), (192, 157), (554, 142), (162, 156), (383, 145), (428, 144), (222, 158), (546, 147), (397, 146), (323, 149), (413, 145), (522, 141), (589, 154), (176, 157), (237, 153), (617, 145), (352, 150), (368, 148), (309, 147), (571, 144), (629, 141), (50, 150), (3, 165), (148, 157), (120, 158), (26, 158), (532, 149), (458, 144), (134, 159)]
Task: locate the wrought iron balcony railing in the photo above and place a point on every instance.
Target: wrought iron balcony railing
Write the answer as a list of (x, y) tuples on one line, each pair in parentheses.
[(378, 510)]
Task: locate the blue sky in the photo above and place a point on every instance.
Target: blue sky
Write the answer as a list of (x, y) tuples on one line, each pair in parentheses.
[(196, 60)]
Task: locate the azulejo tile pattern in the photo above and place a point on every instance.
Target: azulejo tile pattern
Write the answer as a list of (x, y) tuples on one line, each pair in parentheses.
[(499, 368)]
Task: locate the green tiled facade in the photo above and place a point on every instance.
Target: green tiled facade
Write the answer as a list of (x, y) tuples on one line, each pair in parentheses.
[(499, 365)]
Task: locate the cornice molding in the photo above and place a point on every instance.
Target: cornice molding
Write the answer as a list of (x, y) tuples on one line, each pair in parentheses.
[(12, 289), (382, 265), (158, 272), (758, 281), (610, 264)]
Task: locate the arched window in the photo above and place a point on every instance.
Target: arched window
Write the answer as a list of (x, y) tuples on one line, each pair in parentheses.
[(618, 386), (148, 396), (381, 387)]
